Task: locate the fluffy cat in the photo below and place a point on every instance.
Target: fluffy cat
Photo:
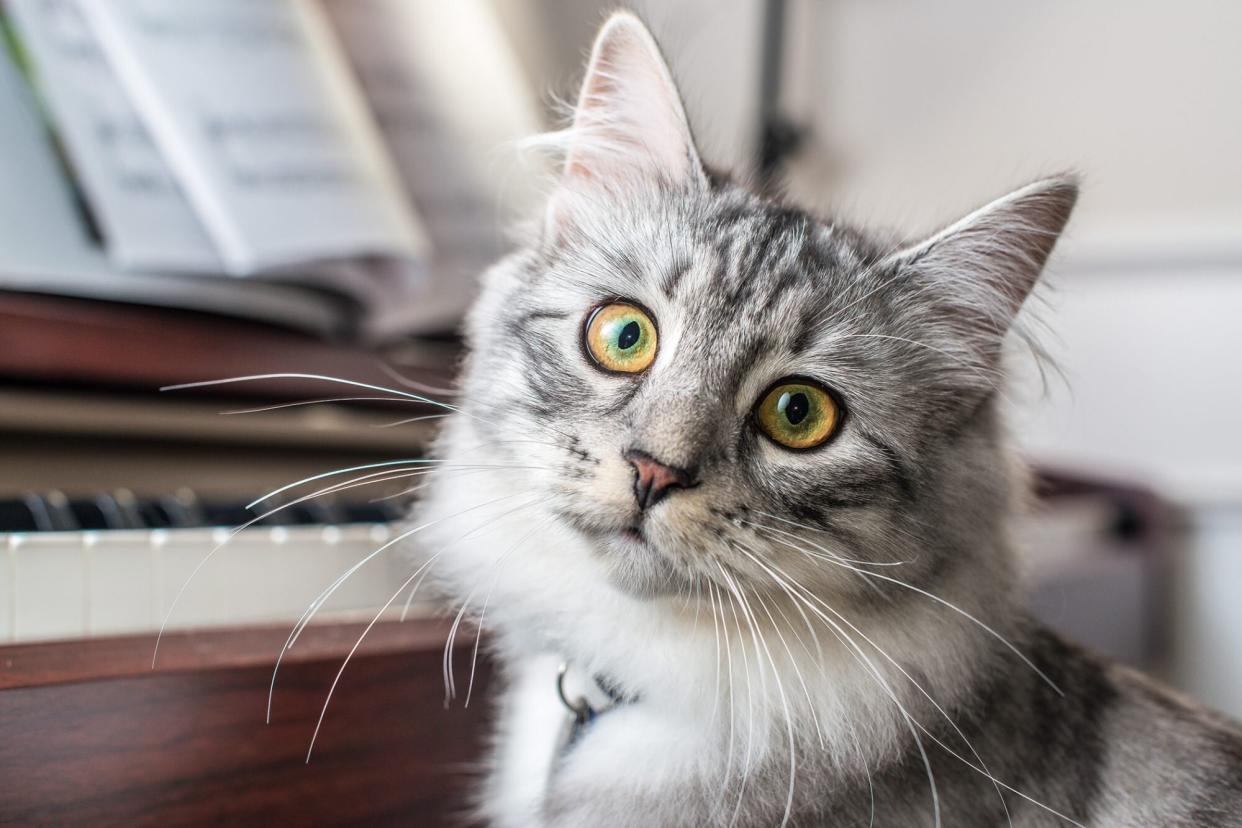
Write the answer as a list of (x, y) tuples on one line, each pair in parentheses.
[(742, 471)]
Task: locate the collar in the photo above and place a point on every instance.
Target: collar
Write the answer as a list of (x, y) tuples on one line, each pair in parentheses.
[(582, 707)]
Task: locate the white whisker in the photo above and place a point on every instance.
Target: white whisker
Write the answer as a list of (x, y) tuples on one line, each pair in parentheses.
[(364, 480), (750, 709), (323, 596), (409, 420), (981, 768), (951, 606), (405, 382), (320, 401), (478, 636), (944, 714), (872, 670)]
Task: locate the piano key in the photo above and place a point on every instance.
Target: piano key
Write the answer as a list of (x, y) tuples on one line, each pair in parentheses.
[(16, 516), (50, 595)]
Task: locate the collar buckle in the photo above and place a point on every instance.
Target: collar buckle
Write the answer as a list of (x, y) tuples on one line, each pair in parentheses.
[(580, 707)]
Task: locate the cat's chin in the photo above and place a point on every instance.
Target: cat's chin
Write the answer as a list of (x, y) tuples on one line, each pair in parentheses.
[(635, 567)]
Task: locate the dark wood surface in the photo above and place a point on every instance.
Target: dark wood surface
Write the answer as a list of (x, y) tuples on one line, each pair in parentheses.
[(57, 662), (187, 745), (62, 342)]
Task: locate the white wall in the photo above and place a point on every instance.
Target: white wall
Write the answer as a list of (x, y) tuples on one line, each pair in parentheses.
[(942, 104)]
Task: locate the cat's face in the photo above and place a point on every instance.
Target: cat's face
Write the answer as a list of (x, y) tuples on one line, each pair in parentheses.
[(711, 388)]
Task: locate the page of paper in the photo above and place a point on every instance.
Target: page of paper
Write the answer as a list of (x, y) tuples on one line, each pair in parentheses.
[(256, 112), (145, 220), (45, 248), (451, 101)]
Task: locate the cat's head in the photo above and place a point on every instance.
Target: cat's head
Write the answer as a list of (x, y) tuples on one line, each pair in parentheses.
[(715, 390)]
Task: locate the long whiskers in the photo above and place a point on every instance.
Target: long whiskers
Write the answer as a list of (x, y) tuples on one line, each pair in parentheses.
[(309, 613), (405, 382), (345, 663), (874, 671), (836, 556), (450, 684), (319, 401), (315, 377), (394, 392), (807, 594), (365, 480), (949, 604), (750, 710)]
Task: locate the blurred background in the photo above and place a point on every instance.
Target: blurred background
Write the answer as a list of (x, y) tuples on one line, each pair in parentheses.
[(196, 191)]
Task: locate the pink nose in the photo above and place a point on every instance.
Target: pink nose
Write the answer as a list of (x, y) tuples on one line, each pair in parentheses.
[(655, 479)]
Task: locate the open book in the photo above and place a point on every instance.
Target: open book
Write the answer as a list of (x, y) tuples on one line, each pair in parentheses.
[(329, 164)]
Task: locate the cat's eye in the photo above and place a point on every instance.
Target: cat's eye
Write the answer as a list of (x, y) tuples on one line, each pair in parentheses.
[(620, 337), (798, 413)]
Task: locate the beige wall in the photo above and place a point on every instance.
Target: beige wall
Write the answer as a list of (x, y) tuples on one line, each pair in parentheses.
[(713, 46), (922, 109)]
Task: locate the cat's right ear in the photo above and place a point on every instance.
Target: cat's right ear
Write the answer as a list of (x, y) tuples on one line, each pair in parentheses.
[(629, 120), (981, 269)]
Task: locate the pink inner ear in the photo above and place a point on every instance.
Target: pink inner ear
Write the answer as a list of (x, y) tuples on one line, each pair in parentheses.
[(629, 116)]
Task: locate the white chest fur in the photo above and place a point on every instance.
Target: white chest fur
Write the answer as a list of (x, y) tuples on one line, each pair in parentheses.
[(631, 747)]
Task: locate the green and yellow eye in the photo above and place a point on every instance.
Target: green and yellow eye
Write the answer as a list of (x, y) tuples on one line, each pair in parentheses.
[(798, 414), (620, 337)]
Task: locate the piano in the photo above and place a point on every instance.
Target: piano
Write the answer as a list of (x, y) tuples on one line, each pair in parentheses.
[(112, 493)]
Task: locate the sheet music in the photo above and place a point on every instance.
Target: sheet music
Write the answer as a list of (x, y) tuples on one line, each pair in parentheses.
[(451, 101), (145, 219), (255, 110), (44, 246)]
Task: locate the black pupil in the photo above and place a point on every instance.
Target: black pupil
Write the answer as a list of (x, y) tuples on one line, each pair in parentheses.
[(797, 408), (629, 335)]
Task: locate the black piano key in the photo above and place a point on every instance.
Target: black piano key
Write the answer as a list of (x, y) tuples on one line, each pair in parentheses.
[(128, 515), (112, 512), (300, 514), (53, 512), (16, 516), (364, 513), (230, 514), (183, 509), (154, 514), (89, 514), (324, 510)]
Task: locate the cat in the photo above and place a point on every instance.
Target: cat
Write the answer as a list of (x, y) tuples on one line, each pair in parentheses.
[(729, 489)]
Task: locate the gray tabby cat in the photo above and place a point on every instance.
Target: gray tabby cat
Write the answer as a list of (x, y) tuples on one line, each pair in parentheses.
[(742, 472)]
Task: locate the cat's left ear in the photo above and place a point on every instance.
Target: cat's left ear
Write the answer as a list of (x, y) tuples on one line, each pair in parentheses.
[(630, 119), (985, 265)]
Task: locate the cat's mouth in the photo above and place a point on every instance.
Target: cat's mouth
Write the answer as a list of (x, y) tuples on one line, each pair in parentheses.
[(635, 565)]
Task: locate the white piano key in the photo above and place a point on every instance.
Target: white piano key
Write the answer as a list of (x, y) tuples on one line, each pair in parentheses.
[(205, 599), (270, 582), (123, 593), (8, 586), (72, 584), (51, 594)]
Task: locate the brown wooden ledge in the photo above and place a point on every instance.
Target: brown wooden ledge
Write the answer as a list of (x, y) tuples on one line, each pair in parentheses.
[(90, 735)]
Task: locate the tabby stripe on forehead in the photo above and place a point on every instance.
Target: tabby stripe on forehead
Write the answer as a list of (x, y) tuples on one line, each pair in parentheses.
[(784, 283), (778, 226), (807, 324), (673, 279), (539, 314)]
